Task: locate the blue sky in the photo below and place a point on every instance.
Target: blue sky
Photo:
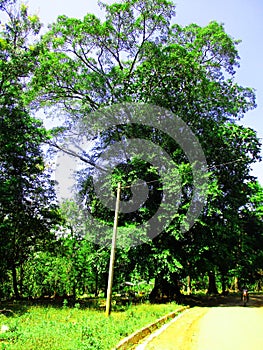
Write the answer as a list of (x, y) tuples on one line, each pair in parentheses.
[(243, 19)]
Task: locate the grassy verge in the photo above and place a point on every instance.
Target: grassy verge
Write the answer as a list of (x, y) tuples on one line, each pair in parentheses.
[(37, 327)]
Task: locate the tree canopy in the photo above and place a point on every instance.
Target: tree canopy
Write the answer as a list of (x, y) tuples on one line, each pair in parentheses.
[(89, 71)]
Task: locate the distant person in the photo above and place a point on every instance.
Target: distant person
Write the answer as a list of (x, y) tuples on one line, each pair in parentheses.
[(245, 295)]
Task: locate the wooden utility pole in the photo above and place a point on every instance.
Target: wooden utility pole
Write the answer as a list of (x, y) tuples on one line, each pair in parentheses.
[(113, 249)]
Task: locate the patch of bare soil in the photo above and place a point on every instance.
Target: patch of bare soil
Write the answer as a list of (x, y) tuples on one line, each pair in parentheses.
[(218, 323)]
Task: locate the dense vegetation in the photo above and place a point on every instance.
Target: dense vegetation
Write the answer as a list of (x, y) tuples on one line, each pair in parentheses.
[(77, 68)]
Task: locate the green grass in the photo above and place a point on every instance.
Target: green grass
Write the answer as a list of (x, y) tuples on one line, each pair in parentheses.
[(60, 328)]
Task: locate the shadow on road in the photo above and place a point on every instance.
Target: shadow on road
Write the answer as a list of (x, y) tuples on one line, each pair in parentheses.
[(255, 300)]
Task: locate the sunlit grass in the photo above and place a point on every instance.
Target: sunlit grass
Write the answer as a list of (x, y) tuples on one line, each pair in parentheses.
[(59, 328)]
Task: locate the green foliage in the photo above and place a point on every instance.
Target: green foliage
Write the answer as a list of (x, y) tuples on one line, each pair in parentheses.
[(80, 66), (27, 201), (136, 55)]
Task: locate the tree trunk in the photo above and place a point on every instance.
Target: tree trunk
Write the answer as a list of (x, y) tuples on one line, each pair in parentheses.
[(74, 287), (223, 283), (236, 284), (259, 286), (105, 284), (15, 284), (96, 292), (163, 289), (212, 289), (21, 280), (189, 286)]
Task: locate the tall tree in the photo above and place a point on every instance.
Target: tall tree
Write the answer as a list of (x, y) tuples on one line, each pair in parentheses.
[(136, 55), (27, 201)]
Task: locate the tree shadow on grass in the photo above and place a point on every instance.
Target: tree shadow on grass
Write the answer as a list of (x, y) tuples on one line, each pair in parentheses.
[(13, 308), (19, 307)]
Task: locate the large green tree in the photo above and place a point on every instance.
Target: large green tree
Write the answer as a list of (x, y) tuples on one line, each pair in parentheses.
[(137, 55)]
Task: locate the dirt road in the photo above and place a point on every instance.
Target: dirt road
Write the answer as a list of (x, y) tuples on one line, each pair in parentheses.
[(227, 326)]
